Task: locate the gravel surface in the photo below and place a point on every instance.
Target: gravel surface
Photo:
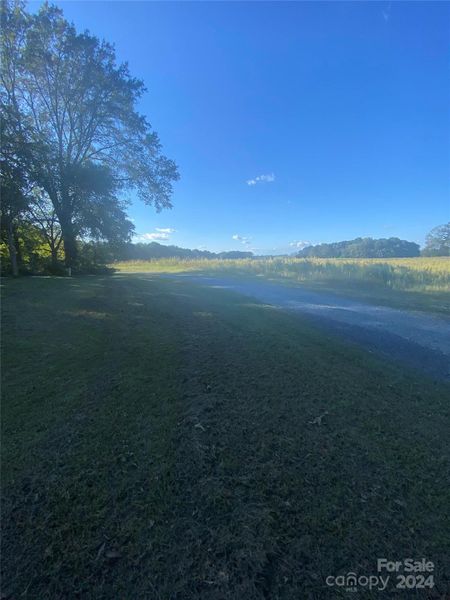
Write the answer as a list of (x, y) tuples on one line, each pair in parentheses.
[(419, 340)]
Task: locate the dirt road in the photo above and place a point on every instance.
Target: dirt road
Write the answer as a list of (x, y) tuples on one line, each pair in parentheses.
[(416, 339)]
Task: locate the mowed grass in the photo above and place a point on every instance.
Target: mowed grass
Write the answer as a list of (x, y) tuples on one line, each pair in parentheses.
[(165, 440), (421, 283)]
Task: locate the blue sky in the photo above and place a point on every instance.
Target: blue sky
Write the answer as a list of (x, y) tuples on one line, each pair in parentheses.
[(290, 122)]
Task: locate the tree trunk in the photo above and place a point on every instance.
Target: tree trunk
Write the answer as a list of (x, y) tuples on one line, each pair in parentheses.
[(12, 249), (19, 258), (54, 252), (69, 241)]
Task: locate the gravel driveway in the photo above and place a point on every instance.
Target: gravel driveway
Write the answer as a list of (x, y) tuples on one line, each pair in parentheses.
[(419, 340)]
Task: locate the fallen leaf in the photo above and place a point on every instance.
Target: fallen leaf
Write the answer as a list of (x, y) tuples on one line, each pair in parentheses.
[(100, 551), (318, 420)]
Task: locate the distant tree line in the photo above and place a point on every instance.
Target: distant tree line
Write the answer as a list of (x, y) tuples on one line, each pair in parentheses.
[(363, 248), (142, 251), (107, 253)]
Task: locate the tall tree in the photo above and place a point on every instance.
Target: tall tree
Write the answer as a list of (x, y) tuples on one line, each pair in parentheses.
[(13, 185), (15, 149), (438, 241), (78, 106)]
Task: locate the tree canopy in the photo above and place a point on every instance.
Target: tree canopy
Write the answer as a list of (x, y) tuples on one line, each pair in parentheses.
[(363, 248), (438, 241), (82, 140)]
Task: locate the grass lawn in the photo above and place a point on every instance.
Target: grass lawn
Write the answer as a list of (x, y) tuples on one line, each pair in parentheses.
[(162, 440)]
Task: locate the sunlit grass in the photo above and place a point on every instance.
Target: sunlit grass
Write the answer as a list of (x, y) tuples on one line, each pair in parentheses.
[(411, 274)]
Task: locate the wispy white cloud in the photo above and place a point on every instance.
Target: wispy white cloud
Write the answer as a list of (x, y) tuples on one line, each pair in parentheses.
[(387, 13), (241, 238), (152, 237), (299, 244), (161, 234), (261, 179)]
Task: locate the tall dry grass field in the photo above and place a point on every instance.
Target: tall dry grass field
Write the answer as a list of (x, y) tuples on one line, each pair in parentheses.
[(421, 274)]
